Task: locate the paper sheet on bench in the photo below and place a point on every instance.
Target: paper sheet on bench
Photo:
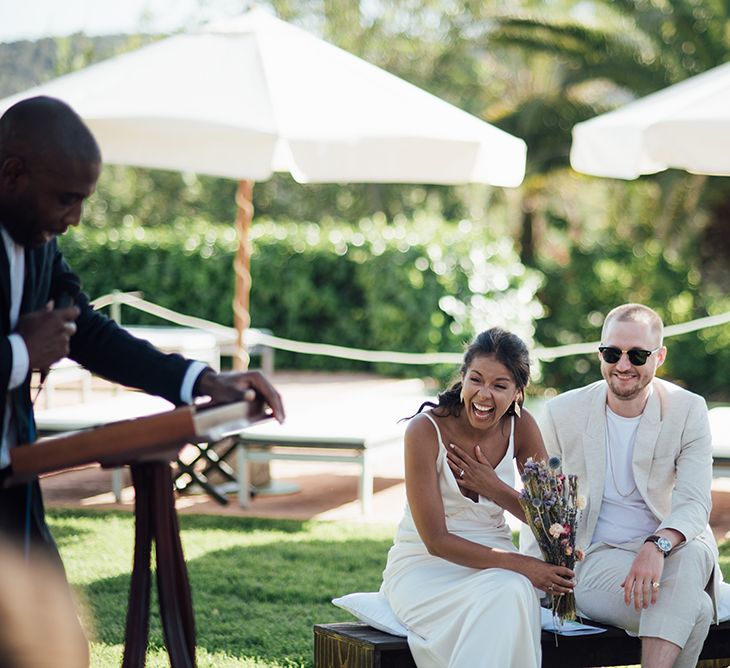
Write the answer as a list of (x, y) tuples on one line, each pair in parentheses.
[(723, 602), (577, 629), (566, 628)]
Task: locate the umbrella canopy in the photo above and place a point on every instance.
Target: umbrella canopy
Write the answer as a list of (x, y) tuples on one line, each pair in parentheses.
[(685, 126), (254, 95)]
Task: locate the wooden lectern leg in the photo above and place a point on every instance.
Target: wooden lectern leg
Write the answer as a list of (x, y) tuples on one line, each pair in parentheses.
[(138, 609), (154, 440), (156, 518), (176, 607)]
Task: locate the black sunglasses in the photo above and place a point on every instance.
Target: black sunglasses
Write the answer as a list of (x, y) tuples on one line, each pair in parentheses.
[(637, 356)]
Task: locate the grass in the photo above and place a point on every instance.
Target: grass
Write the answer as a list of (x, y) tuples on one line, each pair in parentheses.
[(258, 585)]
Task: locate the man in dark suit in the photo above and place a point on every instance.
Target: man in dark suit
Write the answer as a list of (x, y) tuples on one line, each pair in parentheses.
[(49, 164)]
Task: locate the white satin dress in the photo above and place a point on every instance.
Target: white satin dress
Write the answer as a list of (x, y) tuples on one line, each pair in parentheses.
[(458, 616)]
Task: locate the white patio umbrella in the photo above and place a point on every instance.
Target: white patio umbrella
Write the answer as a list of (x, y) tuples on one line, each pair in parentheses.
[(685, 126), (254, 95)]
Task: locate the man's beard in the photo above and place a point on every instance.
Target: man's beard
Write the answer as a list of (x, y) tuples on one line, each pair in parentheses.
[(626, 392)]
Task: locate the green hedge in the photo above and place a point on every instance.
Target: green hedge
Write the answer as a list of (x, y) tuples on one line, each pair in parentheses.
[(413, 286)]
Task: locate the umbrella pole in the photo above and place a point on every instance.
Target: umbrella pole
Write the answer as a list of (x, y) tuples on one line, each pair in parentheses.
[(242, 272), (259, 473)]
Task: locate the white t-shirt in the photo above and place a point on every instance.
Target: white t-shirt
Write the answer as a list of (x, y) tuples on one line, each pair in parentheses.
[(20, 362), (624, 515)]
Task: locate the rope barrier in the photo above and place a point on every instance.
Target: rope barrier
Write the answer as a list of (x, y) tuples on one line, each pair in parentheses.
[(256, 337), (133, 300)]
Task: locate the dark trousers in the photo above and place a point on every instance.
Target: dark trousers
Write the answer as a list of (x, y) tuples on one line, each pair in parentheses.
[(22, 522)]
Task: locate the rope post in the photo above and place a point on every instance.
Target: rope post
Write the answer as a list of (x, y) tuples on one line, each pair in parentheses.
[(115, 312), (115, 309), (242, 272)]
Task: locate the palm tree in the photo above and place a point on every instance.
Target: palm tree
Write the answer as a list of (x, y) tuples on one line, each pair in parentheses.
[(600, 55), (603, 54)]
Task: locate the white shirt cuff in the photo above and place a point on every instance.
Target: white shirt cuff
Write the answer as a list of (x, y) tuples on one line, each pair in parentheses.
[(21, 361), (191, 375)]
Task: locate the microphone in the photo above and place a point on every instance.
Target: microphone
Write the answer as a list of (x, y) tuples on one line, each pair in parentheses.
[(64, 297), (64, 301), (67, 289)]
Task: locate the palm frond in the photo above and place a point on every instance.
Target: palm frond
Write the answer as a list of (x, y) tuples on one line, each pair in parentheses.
[(532, 33), (587, 52), (690, 34), (546, 123)]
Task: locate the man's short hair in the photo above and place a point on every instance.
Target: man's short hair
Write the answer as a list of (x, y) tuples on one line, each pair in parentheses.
[(635, 313), (42, 127)]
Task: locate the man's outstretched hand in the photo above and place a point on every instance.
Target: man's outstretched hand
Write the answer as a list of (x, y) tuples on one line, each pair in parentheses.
[(238, 386)]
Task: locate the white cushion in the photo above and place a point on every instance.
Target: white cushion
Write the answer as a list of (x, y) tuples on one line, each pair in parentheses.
[(720, 429), (373, 609), (723, 602)]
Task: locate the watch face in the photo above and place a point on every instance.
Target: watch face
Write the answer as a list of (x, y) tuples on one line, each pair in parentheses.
[(664, 544)]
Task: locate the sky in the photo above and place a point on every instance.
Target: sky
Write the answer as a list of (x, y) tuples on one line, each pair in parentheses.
[(34, 19)]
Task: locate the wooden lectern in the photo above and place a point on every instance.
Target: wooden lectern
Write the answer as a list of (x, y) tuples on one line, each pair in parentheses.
[(148, 445)]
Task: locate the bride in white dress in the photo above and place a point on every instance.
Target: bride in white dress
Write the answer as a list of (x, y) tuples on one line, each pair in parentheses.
[(453, 576)]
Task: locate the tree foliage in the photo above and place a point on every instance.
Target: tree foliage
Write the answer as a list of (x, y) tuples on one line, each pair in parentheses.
[(668, 252), (533, 68)]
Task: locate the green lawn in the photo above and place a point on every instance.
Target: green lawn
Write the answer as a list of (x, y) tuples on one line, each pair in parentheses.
[(258, 585)]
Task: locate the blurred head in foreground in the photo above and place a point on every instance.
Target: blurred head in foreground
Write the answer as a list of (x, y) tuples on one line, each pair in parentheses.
[(38, 623)]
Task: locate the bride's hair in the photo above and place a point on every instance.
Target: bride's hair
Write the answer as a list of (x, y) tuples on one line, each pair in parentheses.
[(508, 348)]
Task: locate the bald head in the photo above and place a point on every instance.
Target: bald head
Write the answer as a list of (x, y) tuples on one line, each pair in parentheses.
[(44, 128), (49, 164), (635, 313)]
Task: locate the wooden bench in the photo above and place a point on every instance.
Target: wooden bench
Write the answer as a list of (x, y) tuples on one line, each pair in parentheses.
[(65, 372), (269, 444), (206, 345), (357, 645)]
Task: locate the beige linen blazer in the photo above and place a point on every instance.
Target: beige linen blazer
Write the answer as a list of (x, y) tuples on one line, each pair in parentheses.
[(672, 462)]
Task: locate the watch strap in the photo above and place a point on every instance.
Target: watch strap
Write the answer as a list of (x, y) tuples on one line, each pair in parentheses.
[(654, 538)]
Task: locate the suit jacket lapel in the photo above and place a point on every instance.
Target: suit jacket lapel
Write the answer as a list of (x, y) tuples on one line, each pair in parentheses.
[(22, 407), (29, 282), (594, 452), (646, 440), (4, 287)]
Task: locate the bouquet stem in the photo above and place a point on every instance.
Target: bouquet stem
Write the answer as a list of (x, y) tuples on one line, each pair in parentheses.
[(563, 607)]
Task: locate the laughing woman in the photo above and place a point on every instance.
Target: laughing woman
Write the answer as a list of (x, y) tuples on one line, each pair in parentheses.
[(453, 576)]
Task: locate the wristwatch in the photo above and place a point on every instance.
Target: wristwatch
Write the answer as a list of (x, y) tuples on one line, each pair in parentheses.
[(664, 545)]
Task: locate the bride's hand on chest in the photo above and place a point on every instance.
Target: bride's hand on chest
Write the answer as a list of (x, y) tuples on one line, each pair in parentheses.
[(473, 472)]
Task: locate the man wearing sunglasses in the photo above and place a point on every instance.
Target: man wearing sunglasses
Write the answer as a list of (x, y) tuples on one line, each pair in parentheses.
[(642, 450)]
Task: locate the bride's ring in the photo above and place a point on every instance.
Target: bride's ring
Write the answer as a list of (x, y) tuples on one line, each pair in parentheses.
[(461, 473), (655, 585), (551, 588)]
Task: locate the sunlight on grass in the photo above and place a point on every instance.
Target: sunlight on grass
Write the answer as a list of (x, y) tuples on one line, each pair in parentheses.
[(258, 586)]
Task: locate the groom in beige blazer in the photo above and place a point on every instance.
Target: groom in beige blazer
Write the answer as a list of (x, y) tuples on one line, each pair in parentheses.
[(642, 450)]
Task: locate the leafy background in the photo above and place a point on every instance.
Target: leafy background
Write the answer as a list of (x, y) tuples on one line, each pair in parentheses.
[(573, 246)]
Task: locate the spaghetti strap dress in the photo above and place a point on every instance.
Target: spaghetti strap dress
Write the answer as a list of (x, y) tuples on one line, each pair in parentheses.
[(458, 616)]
